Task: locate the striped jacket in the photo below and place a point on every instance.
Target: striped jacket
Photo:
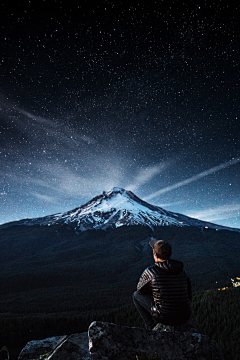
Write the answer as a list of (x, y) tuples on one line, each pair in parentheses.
[(170, 287)]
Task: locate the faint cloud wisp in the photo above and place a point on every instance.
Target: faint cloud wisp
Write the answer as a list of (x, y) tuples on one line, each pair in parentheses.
[(145, 175), (223, 212), (192, 179), (47, 198)]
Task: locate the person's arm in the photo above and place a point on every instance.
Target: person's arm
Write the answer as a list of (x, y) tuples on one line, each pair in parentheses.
[(144, 284)]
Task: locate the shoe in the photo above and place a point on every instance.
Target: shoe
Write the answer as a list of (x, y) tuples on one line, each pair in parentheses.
[(159, 327)]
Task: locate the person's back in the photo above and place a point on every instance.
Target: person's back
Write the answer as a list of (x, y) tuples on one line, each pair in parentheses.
[(164, 289)]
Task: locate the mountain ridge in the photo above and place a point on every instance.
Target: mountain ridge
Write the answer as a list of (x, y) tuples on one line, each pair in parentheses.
[(115, 208)]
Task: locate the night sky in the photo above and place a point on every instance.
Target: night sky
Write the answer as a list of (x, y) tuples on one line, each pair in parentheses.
[(142, 95)]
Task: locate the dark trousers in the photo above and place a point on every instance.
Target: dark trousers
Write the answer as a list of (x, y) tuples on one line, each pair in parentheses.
[(144, 304)]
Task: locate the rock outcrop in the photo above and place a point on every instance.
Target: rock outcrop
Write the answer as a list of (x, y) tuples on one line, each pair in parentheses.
[(106, 341), (72, 347), (35, 348)]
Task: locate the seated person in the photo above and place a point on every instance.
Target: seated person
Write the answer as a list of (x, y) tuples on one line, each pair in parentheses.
[(164, 289)]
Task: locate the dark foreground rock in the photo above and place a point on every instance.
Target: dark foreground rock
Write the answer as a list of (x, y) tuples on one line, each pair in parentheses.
[(106, 341), (72, 347), (111, 341), (35, 348)]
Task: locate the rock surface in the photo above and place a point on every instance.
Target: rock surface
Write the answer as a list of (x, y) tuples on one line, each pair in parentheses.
[(106, 341), (35, 348), (74, 347), (112, 341)]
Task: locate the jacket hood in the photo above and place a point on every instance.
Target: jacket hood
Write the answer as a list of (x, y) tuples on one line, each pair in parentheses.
[(170, 266)]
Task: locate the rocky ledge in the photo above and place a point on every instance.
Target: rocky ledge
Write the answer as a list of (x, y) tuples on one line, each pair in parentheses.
[(106, 341)]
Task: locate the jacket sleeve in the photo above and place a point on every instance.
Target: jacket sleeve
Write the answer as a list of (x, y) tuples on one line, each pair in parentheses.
[(144, 284)]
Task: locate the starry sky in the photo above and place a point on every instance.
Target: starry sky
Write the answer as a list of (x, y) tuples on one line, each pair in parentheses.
[(142, 95)]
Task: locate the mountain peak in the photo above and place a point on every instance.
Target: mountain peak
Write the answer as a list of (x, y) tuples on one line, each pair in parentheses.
[(116, 208), (117, 190)]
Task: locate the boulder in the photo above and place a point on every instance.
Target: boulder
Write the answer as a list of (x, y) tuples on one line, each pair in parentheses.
[(106, 341), (74, 347), (35, 348), (110, 341)]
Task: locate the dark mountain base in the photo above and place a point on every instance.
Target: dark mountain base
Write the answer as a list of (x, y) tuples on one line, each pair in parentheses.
[(53, 269)]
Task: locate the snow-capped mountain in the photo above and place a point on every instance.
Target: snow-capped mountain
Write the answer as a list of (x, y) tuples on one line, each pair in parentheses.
[(116, 208)]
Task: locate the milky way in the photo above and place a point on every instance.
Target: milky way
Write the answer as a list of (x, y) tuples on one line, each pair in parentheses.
[(140, 95)]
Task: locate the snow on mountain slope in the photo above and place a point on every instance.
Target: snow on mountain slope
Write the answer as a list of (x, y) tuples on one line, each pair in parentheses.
[(116, 208)]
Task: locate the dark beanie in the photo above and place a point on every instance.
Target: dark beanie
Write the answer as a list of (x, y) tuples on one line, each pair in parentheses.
[(162, 248)]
